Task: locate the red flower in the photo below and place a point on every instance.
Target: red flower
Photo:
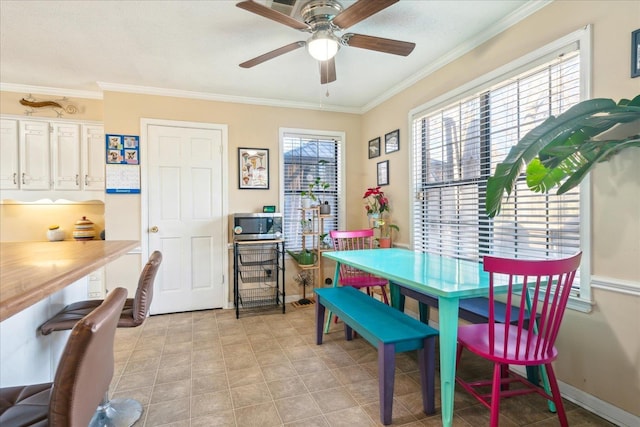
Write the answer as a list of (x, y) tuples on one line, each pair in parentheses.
[(376, 201)]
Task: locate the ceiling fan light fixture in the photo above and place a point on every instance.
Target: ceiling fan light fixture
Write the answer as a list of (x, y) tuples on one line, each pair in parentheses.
[(323, 45)]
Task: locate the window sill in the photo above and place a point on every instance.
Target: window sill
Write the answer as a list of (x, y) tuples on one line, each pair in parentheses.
[(579, 304)]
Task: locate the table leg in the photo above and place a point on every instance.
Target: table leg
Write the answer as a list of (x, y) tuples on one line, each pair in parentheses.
[(397, 299), (448, 322)]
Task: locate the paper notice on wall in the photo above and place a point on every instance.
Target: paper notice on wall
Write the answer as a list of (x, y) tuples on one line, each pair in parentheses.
[(123, 179)]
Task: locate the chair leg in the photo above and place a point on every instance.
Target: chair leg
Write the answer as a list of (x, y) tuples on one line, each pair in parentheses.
[(504, 373), (116, 413), (495, 394), (384, 295), (555, 393)]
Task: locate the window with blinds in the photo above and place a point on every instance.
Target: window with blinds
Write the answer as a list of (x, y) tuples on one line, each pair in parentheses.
[(456, 147), (305, 158)]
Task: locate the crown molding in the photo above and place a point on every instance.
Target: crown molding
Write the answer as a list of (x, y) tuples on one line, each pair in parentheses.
[(148, 90), (500, 26), (53, 91), (508, 21)]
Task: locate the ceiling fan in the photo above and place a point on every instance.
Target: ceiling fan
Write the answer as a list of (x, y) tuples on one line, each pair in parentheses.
[(323, 19)]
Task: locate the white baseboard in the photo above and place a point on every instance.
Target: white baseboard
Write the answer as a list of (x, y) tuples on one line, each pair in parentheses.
[(592, 404)]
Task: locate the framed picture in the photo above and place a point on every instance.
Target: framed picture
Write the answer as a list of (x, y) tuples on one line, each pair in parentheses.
[(253, 168), (392, 141), (383, 173), (635, 53), (374, 148)]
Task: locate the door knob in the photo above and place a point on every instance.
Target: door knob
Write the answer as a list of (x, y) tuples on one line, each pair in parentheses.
[(154, 229)]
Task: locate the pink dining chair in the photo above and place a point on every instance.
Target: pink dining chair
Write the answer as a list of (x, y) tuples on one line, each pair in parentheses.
[(350, 276), (546, 286)]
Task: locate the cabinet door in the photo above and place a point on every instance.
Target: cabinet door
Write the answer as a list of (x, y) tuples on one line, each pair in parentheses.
[(93, 157), (9, 173), (66, 156), (35, 166)]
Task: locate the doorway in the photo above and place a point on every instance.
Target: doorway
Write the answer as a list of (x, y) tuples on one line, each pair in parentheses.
[(184, 203)]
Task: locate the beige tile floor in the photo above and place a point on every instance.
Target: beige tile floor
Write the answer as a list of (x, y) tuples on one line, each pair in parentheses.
[(207, 368)]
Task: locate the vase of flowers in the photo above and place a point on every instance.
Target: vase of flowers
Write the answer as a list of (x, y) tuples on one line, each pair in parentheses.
[(375, 202)]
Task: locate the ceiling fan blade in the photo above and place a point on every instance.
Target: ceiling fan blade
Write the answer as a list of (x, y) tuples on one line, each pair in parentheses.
[(327, 71), (359, 11), (380, 44), (272, 14), (270, 55)]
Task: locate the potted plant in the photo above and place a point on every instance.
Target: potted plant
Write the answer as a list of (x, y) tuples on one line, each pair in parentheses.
[(375, 202), (563, 149), (323, 241), (314, 186), (386, 230)]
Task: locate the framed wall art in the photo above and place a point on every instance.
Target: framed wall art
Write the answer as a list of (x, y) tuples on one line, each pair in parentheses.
[(383, 173), (253, 168), (635, 53), (374, 148), (392, 141)]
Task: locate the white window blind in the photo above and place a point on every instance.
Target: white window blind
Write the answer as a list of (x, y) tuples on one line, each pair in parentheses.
[(305, 158), (457, 147)]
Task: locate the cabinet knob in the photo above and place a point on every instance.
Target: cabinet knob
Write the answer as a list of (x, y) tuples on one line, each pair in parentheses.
[(23, 178), (154, 229), (77, 180), (86, 180), (15, 176)]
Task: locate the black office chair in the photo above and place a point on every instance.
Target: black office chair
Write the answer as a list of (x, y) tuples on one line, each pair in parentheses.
[(115, 412), (82, 377)]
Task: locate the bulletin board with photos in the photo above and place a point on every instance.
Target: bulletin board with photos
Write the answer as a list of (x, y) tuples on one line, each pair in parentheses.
[(122, 163)]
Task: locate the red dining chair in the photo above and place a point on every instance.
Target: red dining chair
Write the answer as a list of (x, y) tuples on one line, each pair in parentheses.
[(350, 276), (546, 286)]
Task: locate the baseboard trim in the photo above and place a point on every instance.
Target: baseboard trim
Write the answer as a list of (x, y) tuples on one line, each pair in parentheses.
[(592, 404)]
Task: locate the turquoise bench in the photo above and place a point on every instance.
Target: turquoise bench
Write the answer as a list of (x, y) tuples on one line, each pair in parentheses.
[(387, 329)]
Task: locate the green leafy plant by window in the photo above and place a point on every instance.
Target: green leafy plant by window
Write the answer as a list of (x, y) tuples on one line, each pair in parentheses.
[(563, 149), (316, 186)]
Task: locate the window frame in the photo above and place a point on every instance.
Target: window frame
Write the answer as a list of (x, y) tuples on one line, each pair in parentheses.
[(339, 136), (580, 39)]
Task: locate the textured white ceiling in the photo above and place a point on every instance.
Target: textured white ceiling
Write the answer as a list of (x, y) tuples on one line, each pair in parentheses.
[(196, 46)]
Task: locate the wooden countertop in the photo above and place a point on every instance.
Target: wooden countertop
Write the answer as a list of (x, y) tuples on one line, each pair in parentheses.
[(31, 271)]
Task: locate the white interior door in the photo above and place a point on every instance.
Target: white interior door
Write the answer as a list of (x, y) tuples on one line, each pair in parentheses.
[(186, 216)]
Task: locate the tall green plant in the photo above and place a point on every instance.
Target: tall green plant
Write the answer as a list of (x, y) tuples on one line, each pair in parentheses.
[(563, 149)]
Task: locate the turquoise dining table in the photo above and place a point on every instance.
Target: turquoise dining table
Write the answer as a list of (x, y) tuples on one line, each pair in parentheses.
[(447, 278)]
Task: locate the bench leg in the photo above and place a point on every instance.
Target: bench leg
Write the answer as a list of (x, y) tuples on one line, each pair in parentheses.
[(386, 371), (319, 320), (427, 361)]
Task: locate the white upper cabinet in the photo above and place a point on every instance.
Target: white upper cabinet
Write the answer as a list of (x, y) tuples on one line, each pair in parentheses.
[(35, 162), (48, 155), (9, 164), (66, 156), (93, 157)]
